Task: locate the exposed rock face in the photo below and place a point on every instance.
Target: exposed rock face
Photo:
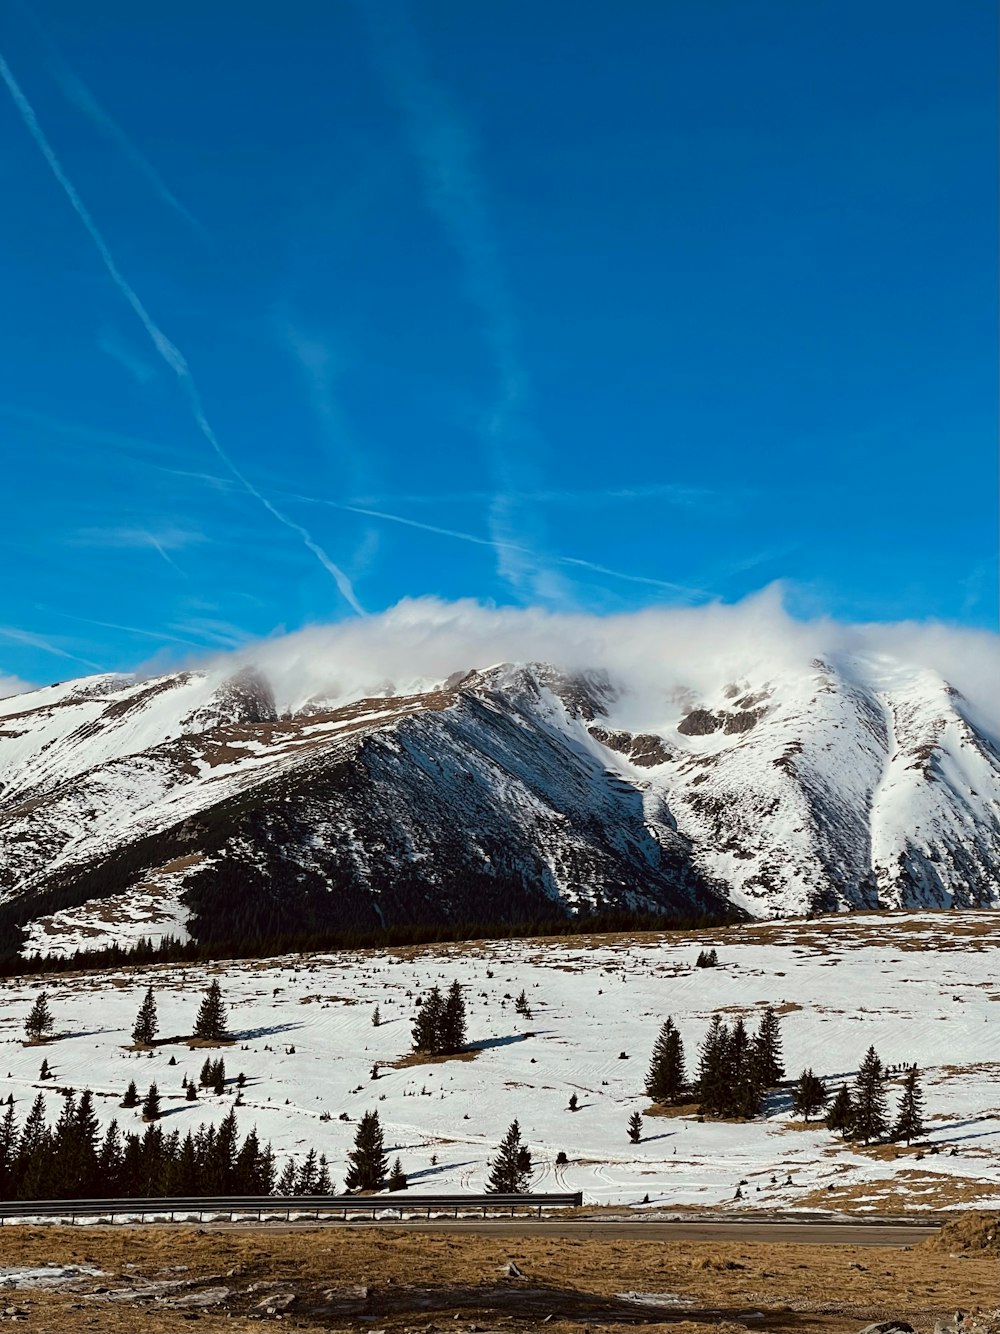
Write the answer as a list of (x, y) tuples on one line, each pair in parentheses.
[(509, 794)]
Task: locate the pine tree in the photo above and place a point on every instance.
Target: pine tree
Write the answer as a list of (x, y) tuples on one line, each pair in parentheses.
[(427, 1026), (871, 1119), (131, 1098), (768, 1043), (665, 1080), (368, 1163), (713, 1069), (145, 1022), (38, 1025), (510, 1169), (841, 1114), (44, 1070), (191, 1095), (286, 1182), (109, 1161), (397, 1177), (324, 1185), (809, 1095), (151, 1104), (573, 1102), (210, 1024), (521, 1005), (305, 1182), (207, 1077), (451, 1036), (909, 1123), (376, 1017), (635, 1128)]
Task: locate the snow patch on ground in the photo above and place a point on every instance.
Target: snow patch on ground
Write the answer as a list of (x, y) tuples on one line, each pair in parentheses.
[(919, 987)]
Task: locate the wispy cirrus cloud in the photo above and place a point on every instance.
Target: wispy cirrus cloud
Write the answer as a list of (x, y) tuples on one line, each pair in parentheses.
[(118, 350), (162, 540), (573, 562), (31, 640), (79, 95), (686, 497), (456, 193), (171, 355)]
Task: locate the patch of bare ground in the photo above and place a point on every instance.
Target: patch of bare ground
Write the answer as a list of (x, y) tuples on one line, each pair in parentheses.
[(428, 1058), (334, 1278), (671, 1109), (905, 1190)]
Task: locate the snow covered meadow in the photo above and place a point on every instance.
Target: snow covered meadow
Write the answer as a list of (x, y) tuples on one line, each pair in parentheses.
[(922, 987)]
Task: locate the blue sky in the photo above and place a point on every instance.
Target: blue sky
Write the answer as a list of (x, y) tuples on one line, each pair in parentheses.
[(312, 307)]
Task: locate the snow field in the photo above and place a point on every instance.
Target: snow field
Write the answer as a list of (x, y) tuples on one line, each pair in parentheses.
[(919, 987)]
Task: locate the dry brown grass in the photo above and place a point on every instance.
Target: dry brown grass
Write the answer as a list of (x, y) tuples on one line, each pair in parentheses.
[(799, 1288)]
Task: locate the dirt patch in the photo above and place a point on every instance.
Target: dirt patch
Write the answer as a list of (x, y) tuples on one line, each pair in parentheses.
[(426, 1058)]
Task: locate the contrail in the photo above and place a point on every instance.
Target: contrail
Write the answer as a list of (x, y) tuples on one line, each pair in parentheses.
[(77, 92), (171, 354), (515, 547), (36, 641)]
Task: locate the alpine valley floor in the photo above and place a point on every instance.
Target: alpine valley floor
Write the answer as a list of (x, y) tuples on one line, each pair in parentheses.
[(921, 988)]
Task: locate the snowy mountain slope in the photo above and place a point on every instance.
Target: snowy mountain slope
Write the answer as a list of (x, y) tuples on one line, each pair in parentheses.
[(515, 792)]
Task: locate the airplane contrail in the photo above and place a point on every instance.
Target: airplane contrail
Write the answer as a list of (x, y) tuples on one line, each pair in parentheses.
[(170, 353)]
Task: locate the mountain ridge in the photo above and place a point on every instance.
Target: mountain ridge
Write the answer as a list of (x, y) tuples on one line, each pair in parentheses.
[(505, 793)]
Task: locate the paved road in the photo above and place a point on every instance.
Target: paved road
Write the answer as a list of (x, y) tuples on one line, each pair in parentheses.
[(753, 1230)]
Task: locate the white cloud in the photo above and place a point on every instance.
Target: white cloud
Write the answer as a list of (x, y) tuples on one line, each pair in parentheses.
[(651, 652), (13, 685)]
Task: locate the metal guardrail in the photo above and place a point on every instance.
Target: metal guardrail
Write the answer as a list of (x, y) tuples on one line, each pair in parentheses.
[(261, 1205)]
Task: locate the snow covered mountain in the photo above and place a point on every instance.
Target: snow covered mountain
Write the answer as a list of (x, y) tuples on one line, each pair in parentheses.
[(190, 802)]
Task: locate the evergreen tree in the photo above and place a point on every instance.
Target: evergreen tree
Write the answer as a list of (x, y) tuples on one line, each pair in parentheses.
[(109, 1162), (210, 1024), (376, 1017), (870, 1113), (34, 1153), (714, 1069), (841, 1114), (510, 1169), (451, 1037), (8, 1153), (286, 1182), (573, 1102), (635, 1128), (191, 1095), (397, 1177), (145, 1022), (746, 1074), (151, 1105), (368, 1163), (44, 1070), (427, 1027), (38, 1025), (768, 1042), (131, 1098), (306, 1181), (324, 1184), (909, 1123), (809, 1095), (521, 1005), (207, 1077), (665, 1080)]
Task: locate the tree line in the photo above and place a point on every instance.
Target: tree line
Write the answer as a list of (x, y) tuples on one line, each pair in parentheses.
[(169, 949), (72, 1160)]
